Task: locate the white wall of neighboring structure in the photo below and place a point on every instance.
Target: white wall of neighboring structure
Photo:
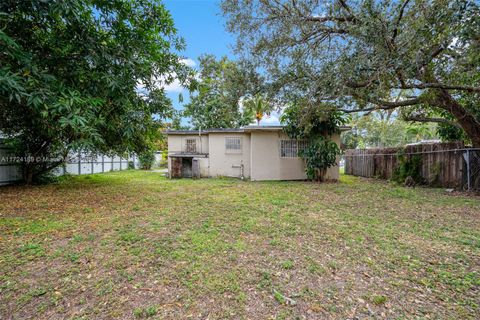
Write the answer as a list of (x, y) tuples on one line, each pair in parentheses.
[(9, 172), (78, 164), (228, 163)]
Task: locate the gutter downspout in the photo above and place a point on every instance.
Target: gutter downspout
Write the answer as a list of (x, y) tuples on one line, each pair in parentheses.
[(241, 167), (200, 137)]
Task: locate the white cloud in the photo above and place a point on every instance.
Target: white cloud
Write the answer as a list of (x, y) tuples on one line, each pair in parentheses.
[(270, 120), (188, 62), (175, 86)]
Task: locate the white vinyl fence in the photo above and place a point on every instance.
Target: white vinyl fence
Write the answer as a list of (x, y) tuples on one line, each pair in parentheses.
[(9, 173), (78, 163)]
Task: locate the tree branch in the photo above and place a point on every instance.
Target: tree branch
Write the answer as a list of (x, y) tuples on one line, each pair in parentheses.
[(440, 86), (437, 120), (375, 108), (394, 104), (435, 85), (345, 6), (399, 19), (329, 18), (385, 105)]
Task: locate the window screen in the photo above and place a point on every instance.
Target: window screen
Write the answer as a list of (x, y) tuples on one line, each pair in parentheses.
[(233, 144), (190, 145), (291, 148)]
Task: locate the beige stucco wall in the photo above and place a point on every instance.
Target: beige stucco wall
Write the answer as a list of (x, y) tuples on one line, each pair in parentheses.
[(333, 173), (222, 162), (176, 144), (266, 163), (260, 156)]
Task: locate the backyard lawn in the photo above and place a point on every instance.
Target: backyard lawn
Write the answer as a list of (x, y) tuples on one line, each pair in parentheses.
[(135, 245)]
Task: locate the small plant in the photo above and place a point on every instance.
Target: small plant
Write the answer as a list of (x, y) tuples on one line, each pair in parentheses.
[(146, 159), (287, 265), (130, 237), (145, 312), (408, 167), (138, 312), (320, 155), (279, 297), (283, 299), (314, 267), (379, 299), (150, 311)]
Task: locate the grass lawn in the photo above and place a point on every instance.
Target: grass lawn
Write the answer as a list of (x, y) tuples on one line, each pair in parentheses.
[(135, 245)]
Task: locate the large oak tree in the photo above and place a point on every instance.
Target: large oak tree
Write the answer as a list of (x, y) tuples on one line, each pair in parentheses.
[(422, 56)]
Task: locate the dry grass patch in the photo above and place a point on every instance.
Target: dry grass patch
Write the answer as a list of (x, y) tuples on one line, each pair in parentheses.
[(135, 245)]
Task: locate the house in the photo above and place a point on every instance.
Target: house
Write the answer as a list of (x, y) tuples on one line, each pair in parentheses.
[(252, 152)]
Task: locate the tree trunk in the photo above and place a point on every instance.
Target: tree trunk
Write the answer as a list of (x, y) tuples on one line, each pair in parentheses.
[(28, 174), (465, 119), (320, 175)]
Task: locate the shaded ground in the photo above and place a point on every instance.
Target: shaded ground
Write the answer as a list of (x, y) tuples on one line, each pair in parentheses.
[(135, 245)]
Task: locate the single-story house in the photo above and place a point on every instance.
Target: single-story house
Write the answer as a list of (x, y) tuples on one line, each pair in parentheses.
[(252, 152)]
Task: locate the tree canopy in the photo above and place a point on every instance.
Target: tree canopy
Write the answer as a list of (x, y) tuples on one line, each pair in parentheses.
[(222, 86), (84, 75), (383, 128), (420, 56)]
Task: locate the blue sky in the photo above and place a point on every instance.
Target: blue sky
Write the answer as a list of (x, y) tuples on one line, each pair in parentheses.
[(200, 23), (202, 26)]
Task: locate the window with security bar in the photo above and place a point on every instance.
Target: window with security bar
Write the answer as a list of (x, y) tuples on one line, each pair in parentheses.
[(292, 148), (191, 145), (233, 145)]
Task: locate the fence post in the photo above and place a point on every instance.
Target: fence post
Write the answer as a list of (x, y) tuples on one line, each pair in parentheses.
[(79, 163), (120, 163), (103, 163), (468, 170), (363, 164), (93, 170)]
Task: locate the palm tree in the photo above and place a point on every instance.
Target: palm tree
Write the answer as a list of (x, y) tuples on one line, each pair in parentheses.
[(259, 106)]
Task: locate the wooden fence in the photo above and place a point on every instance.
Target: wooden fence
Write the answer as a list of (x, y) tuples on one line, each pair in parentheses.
[(442, 164)]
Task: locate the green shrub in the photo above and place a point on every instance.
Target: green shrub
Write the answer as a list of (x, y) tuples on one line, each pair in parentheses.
[(146, 159), (320, 155), (408, 167), (45, 178)]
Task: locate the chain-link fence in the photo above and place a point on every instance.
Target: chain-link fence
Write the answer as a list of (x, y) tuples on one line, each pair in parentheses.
[(472, 169)]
